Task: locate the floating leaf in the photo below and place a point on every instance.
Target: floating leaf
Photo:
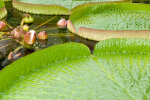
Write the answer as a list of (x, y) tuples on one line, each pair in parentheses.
[(111, 20), (117, 70), (52, 7), (6, 0), (3, 11)]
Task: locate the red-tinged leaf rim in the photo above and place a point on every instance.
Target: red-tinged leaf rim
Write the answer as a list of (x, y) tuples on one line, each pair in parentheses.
[(87, 29)]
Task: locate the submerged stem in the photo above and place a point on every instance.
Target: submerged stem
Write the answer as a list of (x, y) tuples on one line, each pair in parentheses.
[(44, 23), (46, 29), (7, 24)]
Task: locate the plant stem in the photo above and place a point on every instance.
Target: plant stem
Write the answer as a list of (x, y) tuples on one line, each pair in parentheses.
[(22, 22), (7, 24), (44, 23)]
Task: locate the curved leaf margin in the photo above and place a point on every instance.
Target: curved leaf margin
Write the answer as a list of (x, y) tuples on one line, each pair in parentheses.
[(40, 9), (97, 34), (86, 5), (48, 57), (3, 11), (53, 9), (72, 51)]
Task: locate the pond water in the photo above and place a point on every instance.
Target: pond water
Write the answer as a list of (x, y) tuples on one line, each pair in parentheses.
[(56, 35)]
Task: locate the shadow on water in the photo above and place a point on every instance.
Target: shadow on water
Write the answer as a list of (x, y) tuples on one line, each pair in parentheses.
[(141, 1)]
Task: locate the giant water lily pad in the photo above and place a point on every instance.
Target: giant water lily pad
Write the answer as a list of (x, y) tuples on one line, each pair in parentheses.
[(51, 7), (3, 11), (118, 69), (111, 20), (6, 0)]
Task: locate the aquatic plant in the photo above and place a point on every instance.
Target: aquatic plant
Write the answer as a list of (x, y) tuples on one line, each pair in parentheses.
[(52, 7), (43, 35), (61, 22), (3, 11), (111, 20), (30, 37), (25, 28), (2, 25), (6, 0), (118, 69)]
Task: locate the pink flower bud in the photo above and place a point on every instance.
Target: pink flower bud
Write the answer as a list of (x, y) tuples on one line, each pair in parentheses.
[(42, 35), (16, 34), (30, 37), (61, 22), (2, 25)]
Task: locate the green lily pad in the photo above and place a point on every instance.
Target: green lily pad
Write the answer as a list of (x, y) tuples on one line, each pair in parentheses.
[(118, 69), (3, 11), (6, 0), (111, 20), (51, 7)]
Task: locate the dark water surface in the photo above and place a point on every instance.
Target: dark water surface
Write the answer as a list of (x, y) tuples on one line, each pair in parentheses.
[(56, 35)]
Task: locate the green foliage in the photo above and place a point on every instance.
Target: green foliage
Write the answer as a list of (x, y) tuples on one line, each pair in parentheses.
[(113, 16), (6, 0), (40, 8), (65, 3), (3, 11), (126, 46), (118, 69), (1, 4), (52, 7)]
